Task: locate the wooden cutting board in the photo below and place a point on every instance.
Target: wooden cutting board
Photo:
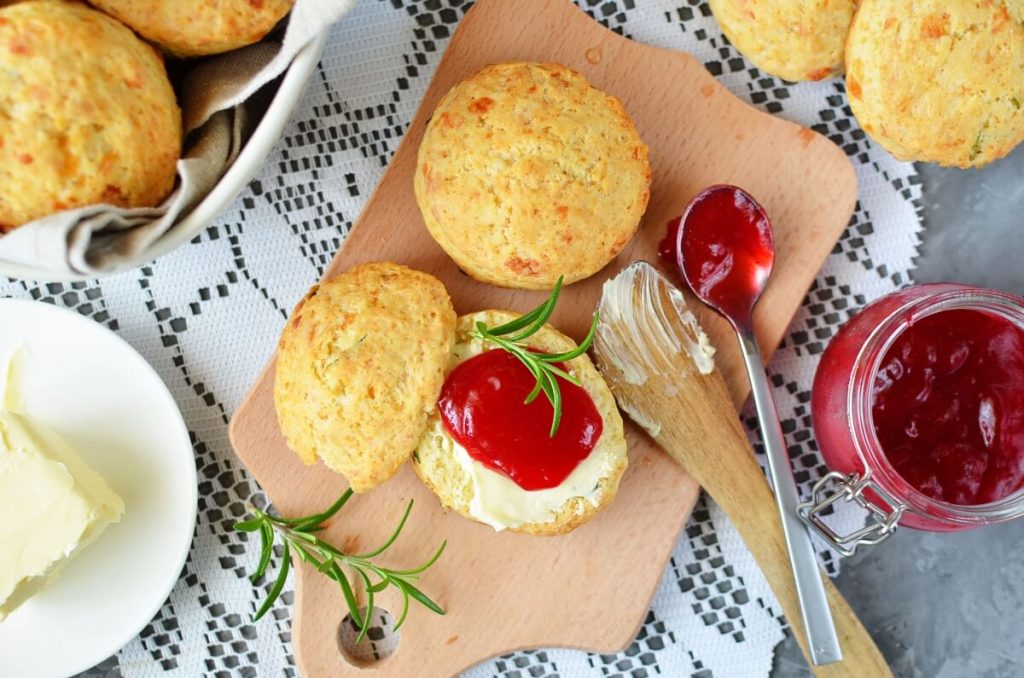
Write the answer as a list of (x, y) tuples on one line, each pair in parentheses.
[(590, 589)]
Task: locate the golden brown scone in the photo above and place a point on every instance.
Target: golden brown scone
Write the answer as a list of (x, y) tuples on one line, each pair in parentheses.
[(359, 367), (939, 80), (87, 114), (188, 28), (526, 173), (449, 472), (793, 39)]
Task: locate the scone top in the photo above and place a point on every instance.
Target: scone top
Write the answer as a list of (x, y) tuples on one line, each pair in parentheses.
[(359, 367), (527, 173)]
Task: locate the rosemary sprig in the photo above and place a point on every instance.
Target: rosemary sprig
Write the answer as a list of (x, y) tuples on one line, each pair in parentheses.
[(511, 336), (298, 538)]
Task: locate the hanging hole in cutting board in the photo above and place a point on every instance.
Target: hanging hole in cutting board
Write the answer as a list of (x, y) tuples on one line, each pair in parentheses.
[(380, 642)]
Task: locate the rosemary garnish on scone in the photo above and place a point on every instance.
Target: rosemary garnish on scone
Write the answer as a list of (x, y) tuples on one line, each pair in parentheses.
[(541, 365), (298, 538)]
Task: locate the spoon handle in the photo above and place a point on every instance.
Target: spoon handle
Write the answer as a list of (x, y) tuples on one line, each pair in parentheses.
[(821, 631)]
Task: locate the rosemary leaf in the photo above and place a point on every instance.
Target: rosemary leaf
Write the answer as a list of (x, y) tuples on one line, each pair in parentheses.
[(266, 542), (346, 590), (391, 540), (282, 576), (318, 518), (405, 610), (424, 566), (421, 598), (543, 366)]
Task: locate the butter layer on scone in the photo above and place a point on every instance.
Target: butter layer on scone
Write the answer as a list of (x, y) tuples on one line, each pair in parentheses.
[(939, 80), (526, 173), (359, 366), (55, 506), (87, 113), (793, 39), (481, 493)]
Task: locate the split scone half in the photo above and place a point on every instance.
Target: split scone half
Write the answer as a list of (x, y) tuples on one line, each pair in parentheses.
[(486, 495)]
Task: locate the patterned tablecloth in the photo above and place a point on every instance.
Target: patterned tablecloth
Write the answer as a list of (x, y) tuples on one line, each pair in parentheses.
[(207, 317)]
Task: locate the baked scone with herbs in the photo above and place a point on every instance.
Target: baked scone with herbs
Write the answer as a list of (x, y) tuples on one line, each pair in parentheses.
[(939, 80), (793, 39), (526, 172), (359, 366), (189, 28), (87, 113), (561, 491)]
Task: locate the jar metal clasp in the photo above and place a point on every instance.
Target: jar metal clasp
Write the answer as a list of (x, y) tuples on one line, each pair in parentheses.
[(881, 520)]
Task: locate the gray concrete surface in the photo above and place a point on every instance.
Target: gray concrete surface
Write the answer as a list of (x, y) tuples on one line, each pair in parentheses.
[(950, 605)]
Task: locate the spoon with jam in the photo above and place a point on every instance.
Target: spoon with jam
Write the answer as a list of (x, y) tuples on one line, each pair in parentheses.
[(726, 252)]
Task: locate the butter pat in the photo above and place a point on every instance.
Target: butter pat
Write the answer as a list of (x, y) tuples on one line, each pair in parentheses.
[(53, 505)]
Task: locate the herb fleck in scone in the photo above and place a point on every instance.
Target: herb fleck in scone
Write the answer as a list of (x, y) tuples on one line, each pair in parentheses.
[(939, 80), (359, 366), (188, 28), (526, 172), (87, 114), (485, 495), (793, 39)]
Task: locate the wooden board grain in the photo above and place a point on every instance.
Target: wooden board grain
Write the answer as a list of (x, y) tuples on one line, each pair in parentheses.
[(590, 589)]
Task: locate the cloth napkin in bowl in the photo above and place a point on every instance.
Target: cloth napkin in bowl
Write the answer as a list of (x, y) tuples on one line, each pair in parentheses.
[(101, 239)]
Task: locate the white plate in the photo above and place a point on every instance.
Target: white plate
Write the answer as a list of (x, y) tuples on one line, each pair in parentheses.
[(108, 403)]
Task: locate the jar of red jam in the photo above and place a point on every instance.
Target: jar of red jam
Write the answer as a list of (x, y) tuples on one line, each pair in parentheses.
[(918, 409)]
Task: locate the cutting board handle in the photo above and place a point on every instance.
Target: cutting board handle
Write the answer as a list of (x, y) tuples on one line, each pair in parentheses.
[(732, 477)]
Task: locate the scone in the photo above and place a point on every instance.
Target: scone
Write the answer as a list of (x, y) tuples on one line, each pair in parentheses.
[(526, 172), (793, 39), (480, 492), (87, 114), (939, 80), (359, 366), (188, 28)]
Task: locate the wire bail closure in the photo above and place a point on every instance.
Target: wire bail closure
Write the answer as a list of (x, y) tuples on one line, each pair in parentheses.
[(835, 486)]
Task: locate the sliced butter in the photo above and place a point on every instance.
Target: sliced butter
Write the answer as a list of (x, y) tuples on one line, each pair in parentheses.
[(54, 506)]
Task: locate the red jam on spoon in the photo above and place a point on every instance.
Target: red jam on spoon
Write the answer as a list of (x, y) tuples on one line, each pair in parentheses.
[(949, 406), (482, 408), (728, 250)]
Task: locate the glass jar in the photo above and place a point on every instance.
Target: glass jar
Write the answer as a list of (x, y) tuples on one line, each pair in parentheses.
[(842, 402)]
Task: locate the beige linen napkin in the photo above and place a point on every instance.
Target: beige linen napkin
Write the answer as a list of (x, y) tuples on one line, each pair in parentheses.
[(101, 239)]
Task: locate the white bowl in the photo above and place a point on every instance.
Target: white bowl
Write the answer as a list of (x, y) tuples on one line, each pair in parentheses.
[(236, 178)]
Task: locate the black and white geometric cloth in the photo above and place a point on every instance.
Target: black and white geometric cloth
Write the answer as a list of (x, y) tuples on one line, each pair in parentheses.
[(207, 317)]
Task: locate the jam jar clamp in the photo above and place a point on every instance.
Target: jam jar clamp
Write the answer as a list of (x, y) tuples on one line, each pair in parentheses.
[(842, 409), (882, 519)]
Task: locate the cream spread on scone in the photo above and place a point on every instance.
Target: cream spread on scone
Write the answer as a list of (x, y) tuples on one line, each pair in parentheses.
[(499, 502)]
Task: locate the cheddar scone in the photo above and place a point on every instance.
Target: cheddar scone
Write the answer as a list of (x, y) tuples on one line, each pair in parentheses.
[(188, 28), (793, 39), (939, 80), (359, 366), (87, 113), (526, 173)]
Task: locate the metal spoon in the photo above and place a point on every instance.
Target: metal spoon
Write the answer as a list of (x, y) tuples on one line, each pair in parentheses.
[(726, 253)]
